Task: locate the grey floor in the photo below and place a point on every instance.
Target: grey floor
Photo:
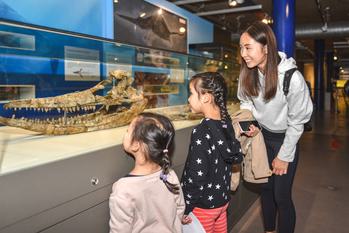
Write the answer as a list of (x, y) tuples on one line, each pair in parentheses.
[(321, 187)]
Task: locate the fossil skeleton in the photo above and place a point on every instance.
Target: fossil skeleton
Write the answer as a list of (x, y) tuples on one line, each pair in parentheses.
[(121, 103)]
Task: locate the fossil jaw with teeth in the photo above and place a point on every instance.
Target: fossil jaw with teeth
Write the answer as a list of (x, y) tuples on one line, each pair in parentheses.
[(82, 111)]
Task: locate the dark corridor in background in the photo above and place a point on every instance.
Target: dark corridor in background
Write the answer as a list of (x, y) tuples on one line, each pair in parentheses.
[(140, 23)]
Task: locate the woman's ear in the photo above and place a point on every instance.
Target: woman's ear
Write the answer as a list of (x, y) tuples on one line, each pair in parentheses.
[(265, 48)]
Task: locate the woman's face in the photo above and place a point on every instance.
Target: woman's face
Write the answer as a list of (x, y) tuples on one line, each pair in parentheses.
[(194, 99), (253, 52)]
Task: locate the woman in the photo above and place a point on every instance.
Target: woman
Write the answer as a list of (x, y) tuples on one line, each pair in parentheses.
[(281, 117)]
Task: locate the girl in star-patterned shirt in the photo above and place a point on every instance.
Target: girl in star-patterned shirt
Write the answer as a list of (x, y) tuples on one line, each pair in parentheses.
[(213, 149)]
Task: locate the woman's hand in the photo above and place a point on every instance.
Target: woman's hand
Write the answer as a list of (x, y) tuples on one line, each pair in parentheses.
[(186, 219), (279, 166), (253, 131)]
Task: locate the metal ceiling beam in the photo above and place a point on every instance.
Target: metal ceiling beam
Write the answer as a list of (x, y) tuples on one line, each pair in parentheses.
[(230, 10), (185, 2)]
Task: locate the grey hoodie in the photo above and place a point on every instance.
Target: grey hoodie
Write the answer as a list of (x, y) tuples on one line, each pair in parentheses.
[(282, 114)]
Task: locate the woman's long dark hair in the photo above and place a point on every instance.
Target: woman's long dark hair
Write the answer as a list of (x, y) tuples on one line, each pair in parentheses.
[(156, 132), (213, 83), (249, 82)]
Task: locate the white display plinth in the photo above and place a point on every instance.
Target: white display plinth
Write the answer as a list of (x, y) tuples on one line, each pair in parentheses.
[(23, 149)]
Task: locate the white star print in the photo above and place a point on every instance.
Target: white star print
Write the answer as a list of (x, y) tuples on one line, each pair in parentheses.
[(187, 202), (189, 196), (190, 180), (228, 150), (226, 168), (216, 161), (224, 177), (208, 136), (198, 142), (218, 186), (216, 170), (200, 173), (194, 131), (209, 151), (198, 161), (210, 198), (209, 185), (201, 187), (220, 142), (213, 147)]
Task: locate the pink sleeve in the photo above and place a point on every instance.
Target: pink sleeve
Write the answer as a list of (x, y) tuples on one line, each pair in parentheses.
[(121, 210)]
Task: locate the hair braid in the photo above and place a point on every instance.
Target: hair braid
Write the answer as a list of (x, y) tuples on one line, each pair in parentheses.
[(219, 90), (174, 188)]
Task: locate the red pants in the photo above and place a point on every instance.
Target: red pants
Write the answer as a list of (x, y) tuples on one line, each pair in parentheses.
[(213, 220)]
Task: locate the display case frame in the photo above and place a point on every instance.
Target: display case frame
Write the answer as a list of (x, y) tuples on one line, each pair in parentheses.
[(62, 183)]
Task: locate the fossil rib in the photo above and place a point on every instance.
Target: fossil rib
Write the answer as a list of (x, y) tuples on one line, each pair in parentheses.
[(82, 111)]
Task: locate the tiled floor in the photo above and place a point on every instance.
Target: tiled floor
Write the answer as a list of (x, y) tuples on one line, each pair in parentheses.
[(321, 187)]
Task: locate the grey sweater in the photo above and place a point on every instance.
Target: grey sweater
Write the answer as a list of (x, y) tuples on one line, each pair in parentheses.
[(143, 204), (282, 114)]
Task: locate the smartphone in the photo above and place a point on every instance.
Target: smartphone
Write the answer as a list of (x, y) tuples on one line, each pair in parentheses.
[(245, 125)]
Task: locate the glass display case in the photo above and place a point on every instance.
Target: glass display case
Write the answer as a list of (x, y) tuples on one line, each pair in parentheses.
[(57, 72), (49, 77)]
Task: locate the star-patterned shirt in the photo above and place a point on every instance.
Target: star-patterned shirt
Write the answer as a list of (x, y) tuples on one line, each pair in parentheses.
[(206, 176)]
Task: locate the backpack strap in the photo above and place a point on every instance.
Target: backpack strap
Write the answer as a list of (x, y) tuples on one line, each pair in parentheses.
[(287, 80)]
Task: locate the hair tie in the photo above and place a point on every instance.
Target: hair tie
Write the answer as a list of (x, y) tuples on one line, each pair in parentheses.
[(163, 176), (165, 151)]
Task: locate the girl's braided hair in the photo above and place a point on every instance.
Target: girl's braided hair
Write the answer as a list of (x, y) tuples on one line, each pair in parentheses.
[(213, 83), (156, 132)]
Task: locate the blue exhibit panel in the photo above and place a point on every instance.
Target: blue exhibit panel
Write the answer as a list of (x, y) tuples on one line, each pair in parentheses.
[(91, 17)]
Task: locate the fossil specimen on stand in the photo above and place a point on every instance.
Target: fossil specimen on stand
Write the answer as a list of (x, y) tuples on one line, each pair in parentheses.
[(82, 111)]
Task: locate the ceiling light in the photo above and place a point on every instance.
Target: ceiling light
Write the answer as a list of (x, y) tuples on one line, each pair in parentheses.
[(335, 58), (232, 3), (182, 29), (160, 11), (142, 14)]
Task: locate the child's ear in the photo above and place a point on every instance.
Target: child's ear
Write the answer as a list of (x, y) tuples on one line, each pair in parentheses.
[(206, 98), (135, 146)]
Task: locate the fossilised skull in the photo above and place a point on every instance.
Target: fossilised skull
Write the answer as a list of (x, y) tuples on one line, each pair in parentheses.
[(82, 111)]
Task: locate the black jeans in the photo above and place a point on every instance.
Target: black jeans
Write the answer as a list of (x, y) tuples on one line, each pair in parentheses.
[(276, 195)]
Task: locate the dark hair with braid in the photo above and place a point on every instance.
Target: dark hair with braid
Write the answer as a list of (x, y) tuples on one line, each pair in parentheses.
[(213, 83), (156, 132)]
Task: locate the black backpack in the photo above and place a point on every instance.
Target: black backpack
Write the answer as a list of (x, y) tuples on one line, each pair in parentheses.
[(286, 86)]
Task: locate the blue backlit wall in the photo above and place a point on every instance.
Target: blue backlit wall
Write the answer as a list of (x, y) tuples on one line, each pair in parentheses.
[(92, 17)]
